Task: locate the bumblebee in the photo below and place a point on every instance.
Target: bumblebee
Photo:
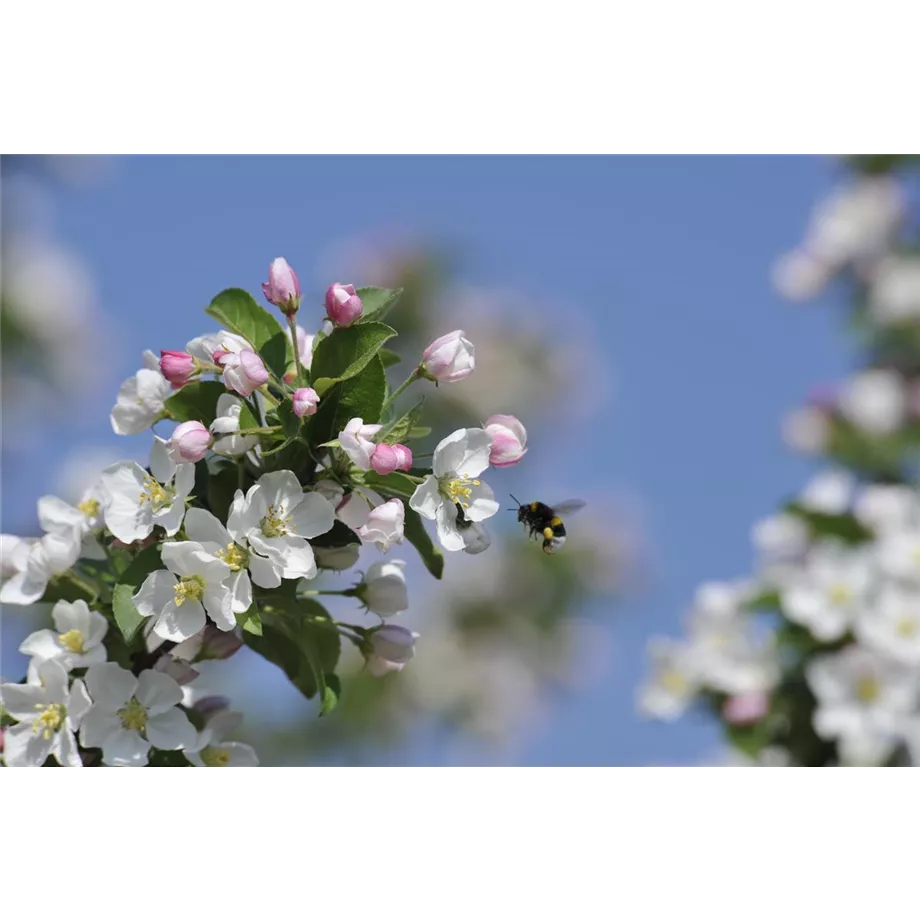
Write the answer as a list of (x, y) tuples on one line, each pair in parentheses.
[(542, 520)]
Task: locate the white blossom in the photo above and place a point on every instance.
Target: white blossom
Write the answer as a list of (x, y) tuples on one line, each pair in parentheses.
[(830, 492), (36, 563), (57, 516), (895, 292), (211, 750), (226, 427), (75, 641), (875, 401), (141, 398), (673, 683), (890, 625)]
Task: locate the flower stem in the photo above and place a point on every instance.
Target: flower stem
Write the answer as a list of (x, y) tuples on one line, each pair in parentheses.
[(402, 388), (75, 579), (266, 430), (292, 325)]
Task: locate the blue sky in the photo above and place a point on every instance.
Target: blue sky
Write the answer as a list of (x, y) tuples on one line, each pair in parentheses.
[(669, 259)]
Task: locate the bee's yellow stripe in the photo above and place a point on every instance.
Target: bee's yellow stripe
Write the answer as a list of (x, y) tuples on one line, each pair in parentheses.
[(556, 521)]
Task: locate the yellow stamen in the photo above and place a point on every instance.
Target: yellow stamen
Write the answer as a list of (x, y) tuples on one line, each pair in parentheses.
[(674, 682), (155, 493), (90, 507), (51, 719), (72, 640), (840, 594), (215, 757), (189, 588), (274, 525), (458, 490), (867, 689), (907, 627), (133, 716), (235, 556)]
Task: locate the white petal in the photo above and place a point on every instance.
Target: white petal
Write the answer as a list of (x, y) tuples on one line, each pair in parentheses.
[(280, 488), (42, 644), (65, 749), (24, 588), (125, 749), (170, 518), (448, 535), (203, 527), (54, 678), (98, 725), (156, 592), (23, 747), (185, 481), (110, 685), (171, 730), (427, 499), (465, 452), (241, 591), (157, 692), (218, 602), (79, 704), (56, 516), (125, 516), (161, 464), (482, 503), (313, 515), (264, 572), (180, 623), (20, 700), (241, 755)]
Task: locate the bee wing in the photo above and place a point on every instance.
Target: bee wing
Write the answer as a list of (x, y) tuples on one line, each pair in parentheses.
[(569, 507)]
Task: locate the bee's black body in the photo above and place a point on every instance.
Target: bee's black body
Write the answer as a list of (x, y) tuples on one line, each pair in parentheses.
[(542, 521)]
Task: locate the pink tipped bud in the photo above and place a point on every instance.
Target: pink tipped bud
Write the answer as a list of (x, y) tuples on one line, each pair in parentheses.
[(384, 460), (390, 649), (282, 288), (177, 367), (509, 440), (244, 372), (747, 708), (404, 457), (385, 525), (343, 305), (450, 358), (207, 706), (217, 644), (305, 401), (189, 443)]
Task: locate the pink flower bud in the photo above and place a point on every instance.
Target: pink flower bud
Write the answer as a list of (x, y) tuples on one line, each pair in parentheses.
[(282, 288), (177, 367), (404, 457), (384, 460), (217, 644), (189, 443), (244, 372), (385, 525), (343, 305), (509, 440), (449, 358), (305, 401), (391, 647), (747, 708)]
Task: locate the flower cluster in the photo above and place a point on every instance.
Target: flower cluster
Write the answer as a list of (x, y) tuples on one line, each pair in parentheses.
[(289, 454)]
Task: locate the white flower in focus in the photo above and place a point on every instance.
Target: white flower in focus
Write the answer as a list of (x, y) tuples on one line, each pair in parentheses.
[(862, 698), (829, 590), (196, 582), (383, 589), (895, 293), (75, 641), (208, 348), (875, 401), (132, 714), (673, 682), (141, 398), (202, 527), (138, 501), (56, 516), (457, 459), (276, 518), (48, 713), (210, 749), (226, 426), (830, 492), (891, 624), (36, 563)]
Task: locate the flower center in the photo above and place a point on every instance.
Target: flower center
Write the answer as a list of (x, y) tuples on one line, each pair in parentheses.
[(906, 627), (458, 489), (50, 720), (155, 493), (674, 682), (90, 508), (215, 757), (235, 556), (274, 525), (867, 689), (72, 640), (133, 716), (189, 588), (839, 594)]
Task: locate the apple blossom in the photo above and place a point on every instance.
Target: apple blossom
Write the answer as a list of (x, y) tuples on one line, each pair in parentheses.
[(457, 459), (138, 501), (276, 518), (178, 367), (449, 358), (891, 624), (343, 305), (189, 443), (403, 457), (141, 398), (673, 683), (75, 641), (226, 427), (384, 459), (193, 583), (305, 401), (509, 440), (130, 715), (390, 648), (304, 343), (211, 750), (202, 527), (875, 401), (36, 563), (84, 519), (244, 371), (383, 588), (48, 713), (385, 525), (355, 440), (283, 287)]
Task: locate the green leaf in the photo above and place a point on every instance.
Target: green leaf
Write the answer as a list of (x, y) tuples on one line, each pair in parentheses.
[(398, 430), (389, 357), (398, 484), (146, 562), (346, 352), (250, 621), (126, 616), (418, 432), (287, 417), (360, 397), (377, 303), (331, 694), (236, 311), (418, 537), (196, 402), (223, 482), (63, 589), (299, 637), (339, 535)]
